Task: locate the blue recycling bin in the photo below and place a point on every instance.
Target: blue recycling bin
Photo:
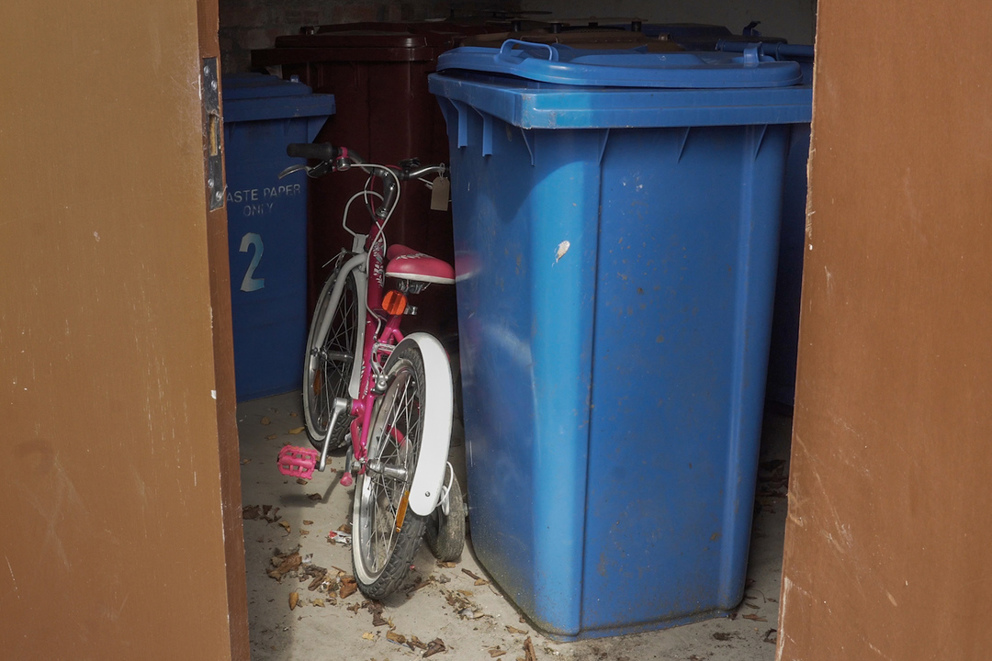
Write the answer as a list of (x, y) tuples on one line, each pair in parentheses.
[(781, 381), (616, 228), (267, 227)]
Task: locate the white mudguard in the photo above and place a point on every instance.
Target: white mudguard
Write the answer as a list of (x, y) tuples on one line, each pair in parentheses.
[(429, 475)]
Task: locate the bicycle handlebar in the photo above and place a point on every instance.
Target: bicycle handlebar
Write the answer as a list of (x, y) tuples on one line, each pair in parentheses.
[(340, 158)]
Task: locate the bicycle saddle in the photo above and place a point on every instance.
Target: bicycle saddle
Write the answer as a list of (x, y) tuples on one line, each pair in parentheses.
[(408, 264)]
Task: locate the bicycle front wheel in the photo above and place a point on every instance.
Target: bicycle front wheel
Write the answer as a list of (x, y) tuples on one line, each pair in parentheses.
[(386, 533), (330, 359)]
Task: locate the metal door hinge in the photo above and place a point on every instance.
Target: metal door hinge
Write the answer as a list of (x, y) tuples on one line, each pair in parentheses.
[(215, 138)]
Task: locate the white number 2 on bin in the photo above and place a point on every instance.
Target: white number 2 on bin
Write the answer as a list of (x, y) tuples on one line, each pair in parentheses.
[(250, 283)]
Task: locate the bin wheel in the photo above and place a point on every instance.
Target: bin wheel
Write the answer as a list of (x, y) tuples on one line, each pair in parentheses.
[(445, 533)]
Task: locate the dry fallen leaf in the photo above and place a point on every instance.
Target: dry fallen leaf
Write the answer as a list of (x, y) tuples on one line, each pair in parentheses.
[(348, 587), (754, 617), (271, 437), (495, 652), (470, 574), (396, 637), (318, 602), (481, 581), (436, 646), (318, 579), (245, 461), (446, 565), (296, 430), (285, 524), (529, 650), (368, 635), (514, 629), (250, 512), (345, 527), (304, 532), (314, 496), (302, 481), (265, 421), (307, 522), (285, 565), (294, 599)]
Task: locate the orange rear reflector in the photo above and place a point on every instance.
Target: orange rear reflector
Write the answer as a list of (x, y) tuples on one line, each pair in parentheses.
[(394, 302), (401, 510)]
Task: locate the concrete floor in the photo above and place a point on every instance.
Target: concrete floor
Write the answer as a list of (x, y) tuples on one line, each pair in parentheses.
[(322, 626)]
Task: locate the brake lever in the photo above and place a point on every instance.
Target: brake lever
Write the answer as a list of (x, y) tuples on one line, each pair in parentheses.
[(292, 169), (313, 171)]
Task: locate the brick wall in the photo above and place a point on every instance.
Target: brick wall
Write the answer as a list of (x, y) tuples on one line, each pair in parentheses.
[(249, 24)]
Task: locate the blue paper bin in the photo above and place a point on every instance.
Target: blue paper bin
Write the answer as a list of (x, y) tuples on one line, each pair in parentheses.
[(616, 227), (267, 227)]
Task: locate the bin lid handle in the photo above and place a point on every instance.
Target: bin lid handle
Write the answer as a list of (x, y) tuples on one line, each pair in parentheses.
[(752, 54), (505, 50)]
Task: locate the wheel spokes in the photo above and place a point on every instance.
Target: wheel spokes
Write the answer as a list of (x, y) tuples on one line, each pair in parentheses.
[(331, 364), (393, 451)]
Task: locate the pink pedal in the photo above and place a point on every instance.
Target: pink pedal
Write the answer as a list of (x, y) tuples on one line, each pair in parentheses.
[(297, 462)]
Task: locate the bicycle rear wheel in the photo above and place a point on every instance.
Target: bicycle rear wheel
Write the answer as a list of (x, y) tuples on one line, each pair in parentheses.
[(386, 533), (330, 359)]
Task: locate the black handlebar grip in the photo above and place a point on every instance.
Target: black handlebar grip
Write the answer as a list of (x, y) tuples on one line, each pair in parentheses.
[(322, 151)]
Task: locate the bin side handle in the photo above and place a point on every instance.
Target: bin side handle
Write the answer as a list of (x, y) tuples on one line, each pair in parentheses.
[(507, 47)]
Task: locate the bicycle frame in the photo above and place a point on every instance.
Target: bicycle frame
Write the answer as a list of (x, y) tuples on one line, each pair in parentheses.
[(381, 334), (376, 345)]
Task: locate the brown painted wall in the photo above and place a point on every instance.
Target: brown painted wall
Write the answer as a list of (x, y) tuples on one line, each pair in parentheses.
[(890, 510), (116, 389)]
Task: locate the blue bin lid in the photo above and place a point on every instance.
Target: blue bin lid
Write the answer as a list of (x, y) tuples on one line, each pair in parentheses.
[(254, 97), (634, 68)]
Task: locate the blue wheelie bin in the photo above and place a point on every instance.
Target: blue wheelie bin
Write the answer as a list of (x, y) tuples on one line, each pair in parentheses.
[(616, 222), (267, 227)]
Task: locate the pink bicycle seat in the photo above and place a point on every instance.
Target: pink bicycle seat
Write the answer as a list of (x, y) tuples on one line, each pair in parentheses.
[(418, 266), (397, 249)]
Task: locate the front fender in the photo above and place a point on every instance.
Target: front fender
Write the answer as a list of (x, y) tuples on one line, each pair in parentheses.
[(437, 405)]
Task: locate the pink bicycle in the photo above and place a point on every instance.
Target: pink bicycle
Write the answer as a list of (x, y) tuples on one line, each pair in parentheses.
[(387, 395)]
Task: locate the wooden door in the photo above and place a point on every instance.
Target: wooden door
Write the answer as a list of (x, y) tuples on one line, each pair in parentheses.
[(118, 446), (890, 509)]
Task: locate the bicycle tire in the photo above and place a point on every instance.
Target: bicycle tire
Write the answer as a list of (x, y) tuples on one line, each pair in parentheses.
[(329, 361), (386, 532)]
